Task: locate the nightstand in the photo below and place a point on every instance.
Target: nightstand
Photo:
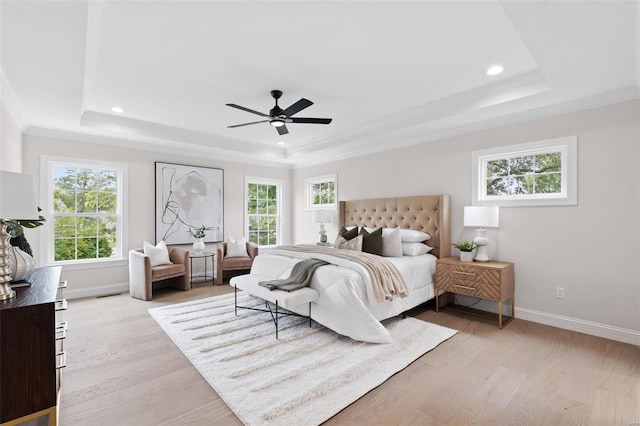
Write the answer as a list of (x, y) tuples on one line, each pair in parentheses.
[(485, 280)]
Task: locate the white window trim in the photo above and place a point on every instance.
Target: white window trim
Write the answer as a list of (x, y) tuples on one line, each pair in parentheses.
[(46, 180), (309, 182), (281, 189), (568, 146)]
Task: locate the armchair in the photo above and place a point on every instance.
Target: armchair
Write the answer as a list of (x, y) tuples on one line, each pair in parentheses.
[(143, 278), (238, 263)]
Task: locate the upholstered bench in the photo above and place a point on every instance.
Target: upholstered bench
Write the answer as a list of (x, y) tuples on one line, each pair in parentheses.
[(281, 299)]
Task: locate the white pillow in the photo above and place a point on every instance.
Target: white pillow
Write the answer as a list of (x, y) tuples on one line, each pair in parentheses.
[(415, 249), (158, 255), (352, 244), (236, 248), (391, 243), (413, 236)]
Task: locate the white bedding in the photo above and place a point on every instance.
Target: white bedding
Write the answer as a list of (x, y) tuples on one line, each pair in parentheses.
[(345, 305)]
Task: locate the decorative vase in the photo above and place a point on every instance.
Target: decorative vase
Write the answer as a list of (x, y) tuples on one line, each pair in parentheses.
[(21, 264), (198, 246), (466, 256)]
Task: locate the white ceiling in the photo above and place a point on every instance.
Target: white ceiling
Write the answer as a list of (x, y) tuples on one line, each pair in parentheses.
[(390, 74)]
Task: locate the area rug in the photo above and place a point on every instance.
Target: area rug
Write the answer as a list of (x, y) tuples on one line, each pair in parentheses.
[(305, 377)]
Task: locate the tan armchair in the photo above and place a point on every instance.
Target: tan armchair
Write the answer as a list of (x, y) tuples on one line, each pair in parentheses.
[(143, 278), (239, 263)]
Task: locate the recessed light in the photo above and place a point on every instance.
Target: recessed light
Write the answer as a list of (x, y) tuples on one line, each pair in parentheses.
[(494, 70), (117, 109), (281, 143)]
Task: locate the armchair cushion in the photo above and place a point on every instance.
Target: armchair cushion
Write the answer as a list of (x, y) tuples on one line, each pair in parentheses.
[(236, 248), (158, 254)]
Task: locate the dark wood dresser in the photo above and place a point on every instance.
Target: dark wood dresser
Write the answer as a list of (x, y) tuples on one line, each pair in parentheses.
[(30, 355)]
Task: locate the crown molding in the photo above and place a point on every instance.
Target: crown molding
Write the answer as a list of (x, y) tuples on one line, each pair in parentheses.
[(10, 102), (382, 144), (207, 146), (145, 129), (157, 145)]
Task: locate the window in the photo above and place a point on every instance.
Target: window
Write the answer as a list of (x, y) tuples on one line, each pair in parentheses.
[(84, 210), (322, 193), (264, 210), (537, 173)]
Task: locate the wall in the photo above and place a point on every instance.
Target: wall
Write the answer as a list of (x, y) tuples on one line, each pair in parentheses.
[(590, 249), (10, 141), (141, 200)]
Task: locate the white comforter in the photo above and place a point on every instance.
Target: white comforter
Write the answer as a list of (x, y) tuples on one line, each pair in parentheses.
[(344, 304)]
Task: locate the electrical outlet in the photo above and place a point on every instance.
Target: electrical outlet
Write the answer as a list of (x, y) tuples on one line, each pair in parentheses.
[(559, 292)]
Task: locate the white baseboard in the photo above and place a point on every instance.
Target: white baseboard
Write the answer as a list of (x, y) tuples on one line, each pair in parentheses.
[(106, 290), (587, 327)]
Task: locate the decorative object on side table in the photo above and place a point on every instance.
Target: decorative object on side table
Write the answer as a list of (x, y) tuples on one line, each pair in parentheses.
[(322, 217), (466, 250), (198, 234), (481, 217), (17, 204)]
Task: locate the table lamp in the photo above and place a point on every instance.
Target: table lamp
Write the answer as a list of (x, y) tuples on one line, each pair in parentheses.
[(481, 217), (322, 217), (17, 202)]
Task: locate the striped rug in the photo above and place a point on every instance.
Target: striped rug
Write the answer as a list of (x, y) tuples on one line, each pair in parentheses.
[(303, 378)]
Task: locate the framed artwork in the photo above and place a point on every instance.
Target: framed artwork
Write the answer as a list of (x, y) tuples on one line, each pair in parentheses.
[(188, 197)]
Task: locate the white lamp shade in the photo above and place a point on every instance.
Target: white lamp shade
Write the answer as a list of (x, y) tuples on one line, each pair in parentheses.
[(17, 196), (321, 216), (481, 216)]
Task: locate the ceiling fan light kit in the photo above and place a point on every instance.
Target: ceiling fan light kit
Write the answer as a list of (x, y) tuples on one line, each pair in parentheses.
[(279, 117)]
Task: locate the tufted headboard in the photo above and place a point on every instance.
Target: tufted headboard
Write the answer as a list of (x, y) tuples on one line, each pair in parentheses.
[(426, 213)]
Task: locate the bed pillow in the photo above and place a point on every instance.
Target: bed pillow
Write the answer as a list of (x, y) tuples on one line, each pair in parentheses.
[(413, 236), (354, 244), (236, 248), (415, 249), (372, 241), (391, 243), (158, 254), (348, 233)]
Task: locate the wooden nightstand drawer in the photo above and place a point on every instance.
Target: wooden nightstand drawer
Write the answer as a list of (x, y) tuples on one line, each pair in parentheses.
[(470, 274), (471, 288)]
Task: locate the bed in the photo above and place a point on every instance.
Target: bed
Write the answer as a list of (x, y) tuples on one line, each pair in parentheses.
[(345, 305)]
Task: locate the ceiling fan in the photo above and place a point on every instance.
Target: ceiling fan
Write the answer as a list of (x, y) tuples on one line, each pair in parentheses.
[(279, 117)]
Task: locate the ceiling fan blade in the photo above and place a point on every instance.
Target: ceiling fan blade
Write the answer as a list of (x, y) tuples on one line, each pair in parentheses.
[(298, 106), (311, 120), (282, 130), (247, 124), (247, 109)]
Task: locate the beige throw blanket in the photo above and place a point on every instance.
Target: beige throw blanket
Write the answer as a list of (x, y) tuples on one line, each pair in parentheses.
[(386, 280)]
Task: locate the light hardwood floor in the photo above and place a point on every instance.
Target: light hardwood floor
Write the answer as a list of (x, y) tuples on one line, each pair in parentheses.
[(122, 369)]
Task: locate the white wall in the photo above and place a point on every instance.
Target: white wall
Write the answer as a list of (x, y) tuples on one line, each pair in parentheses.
[(141, 200), (590, 249), (10, 141)]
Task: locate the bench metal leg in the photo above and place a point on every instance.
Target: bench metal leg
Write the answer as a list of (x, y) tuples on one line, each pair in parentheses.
[(274, 315)]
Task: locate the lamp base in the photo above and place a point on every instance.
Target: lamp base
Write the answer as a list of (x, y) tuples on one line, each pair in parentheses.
[(323, 233), (5, 265), (481, 241)]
